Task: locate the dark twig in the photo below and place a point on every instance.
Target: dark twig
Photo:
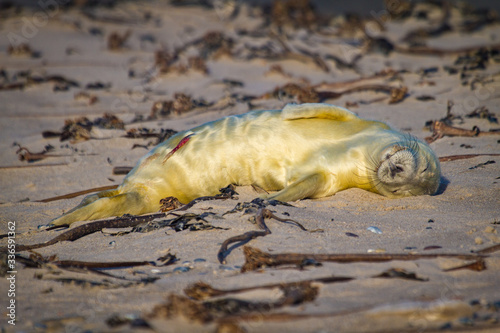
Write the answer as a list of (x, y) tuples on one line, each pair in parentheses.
[(259, 218), (478, 266), (121, 170), (462, 157), (202, 290), (491, 249), (76, 194), (32, 166), (25, 155), (73, 234), (255, 259)]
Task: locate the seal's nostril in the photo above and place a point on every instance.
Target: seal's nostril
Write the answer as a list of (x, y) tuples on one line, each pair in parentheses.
[(395, 169)]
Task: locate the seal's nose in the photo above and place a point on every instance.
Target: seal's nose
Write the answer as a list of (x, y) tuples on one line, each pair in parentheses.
[(395, 169)]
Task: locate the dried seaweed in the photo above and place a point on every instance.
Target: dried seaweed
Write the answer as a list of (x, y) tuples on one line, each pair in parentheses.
[(309, 94), (181, 103), (187, 221), (86, 97), (228, 192), (293, 13), (212, 45), (169, 203), (400, 273), (28, 79), (144, 133), (258, 217), (116, 40), (22, 50), (483, 113), (79, 129), (213, 310), (201, 290), (480, 165), (255, 204), (256, 259)]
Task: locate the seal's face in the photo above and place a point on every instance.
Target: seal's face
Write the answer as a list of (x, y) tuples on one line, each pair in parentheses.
[(407, 168)]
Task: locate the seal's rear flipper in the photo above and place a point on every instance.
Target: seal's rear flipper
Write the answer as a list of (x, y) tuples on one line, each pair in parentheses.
[(102, 205), (305, 187)]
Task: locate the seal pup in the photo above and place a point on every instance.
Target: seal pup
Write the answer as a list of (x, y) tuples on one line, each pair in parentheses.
[(303, 151)]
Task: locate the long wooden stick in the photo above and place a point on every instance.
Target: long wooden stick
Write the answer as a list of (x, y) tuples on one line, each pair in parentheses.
[(76, 194)]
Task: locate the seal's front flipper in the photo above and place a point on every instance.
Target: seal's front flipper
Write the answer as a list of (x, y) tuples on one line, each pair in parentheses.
[(102, 205), (306, 187)]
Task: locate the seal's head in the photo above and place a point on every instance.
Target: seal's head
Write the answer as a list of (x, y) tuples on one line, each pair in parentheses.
[(407, 168)]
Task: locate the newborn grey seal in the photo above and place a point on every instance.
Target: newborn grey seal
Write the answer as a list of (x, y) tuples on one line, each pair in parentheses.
[(302, 151)]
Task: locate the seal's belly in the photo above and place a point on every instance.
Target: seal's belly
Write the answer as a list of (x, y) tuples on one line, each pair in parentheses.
[(240, 153), (253, 149)]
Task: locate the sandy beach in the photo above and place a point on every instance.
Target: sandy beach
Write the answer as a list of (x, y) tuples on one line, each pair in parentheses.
[(86, 90)]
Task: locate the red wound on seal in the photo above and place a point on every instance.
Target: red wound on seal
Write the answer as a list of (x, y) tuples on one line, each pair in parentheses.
[(179, 145)]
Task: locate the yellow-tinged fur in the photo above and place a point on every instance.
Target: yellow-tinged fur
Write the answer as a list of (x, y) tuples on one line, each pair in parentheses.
[(302, 151)]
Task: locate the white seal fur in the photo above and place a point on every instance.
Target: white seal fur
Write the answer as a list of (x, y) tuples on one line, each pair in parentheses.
[(302, 151)]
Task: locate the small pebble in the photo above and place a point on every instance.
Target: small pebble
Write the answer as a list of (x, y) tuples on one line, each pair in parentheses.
[(409, 248), (446, 326), (182, 269), (310, 262), (478, 240), (495, 305), (155, 271), (374, 230), (432, 247), (112, 244), (471, 231), (199, 260), (430, 221), (350, 234), (186, 263), (466, 321), (428, 228), (490, 230), (475, 302), (225, 268)]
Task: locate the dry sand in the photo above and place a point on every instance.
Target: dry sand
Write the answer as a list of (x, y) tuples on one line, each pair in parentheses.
[(72, 43)]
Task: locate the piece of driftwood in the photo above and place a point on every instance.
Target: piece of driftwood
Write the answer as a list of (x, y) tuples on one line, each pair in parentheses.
[(76, 194), (73, 234), (201, 290), (441, 129), (462, 157), (256, 259)]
